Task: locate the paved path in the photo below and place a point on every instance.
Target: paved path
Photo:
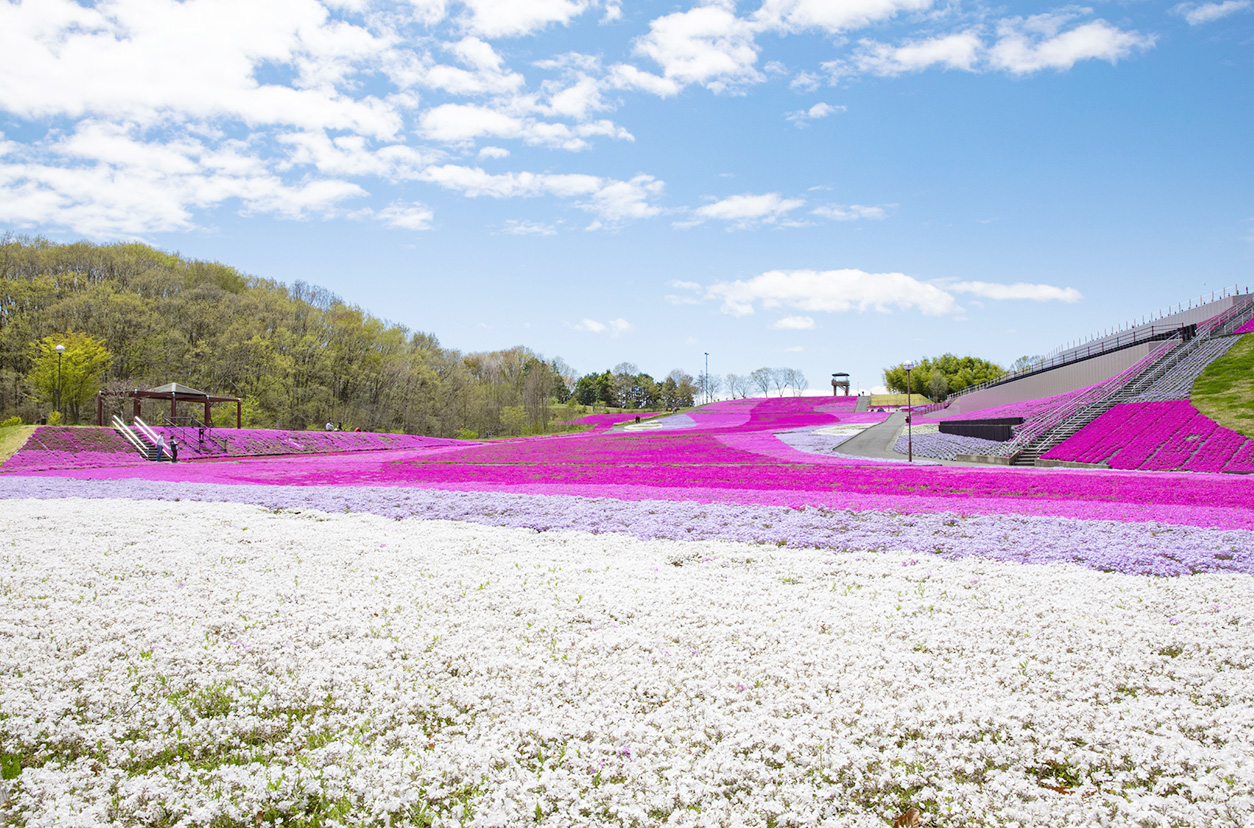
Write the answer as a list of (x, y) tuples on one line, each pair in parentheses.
[(878, 442)]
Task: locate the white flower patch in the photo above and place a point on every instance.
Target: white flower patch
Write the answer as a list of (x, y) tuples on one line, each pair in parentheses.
[(184, 662)]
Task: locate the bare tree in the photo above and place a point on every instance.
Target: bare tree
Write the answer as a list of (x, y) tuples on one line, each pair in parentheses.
[(779, 378), (738, 386), (761, 378), (709, 385), (797, 381)]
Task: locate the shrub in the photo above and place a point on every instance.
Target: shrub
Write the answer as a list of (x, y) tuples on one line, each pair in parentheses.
[(12, 421)]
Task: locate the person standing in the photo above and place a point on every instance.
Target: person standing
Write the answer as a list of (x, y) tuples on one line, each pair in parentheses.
[(174, 451), (160, 446)]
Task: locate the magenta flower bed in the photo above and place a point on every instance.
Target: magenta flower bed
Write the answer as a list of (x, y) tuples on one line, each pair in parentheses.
[(65, 447), (1158, 436), (746, 464), (253, 442), (604, 421), (1248, 327), (69, 447)]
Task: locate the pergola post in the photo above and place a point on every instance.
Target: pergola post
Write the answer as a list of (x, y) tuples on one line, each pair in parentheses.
[(174, 406), (238, 419), (99, 408), (135, 413), (208, 421)]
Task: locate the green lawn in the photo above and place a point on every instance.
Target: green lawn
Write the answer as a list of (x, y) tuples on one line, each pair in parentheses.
[(13, 438), (1225, 390), (897, 399)]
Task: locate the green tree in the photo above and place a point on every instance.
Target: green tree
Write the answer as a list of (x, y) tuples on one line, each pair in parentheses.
[(956, 372), (76, 372)]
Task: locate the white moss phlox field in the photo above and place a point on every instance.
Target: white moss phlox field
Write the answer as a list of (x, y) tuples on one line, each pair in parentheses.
[(190, 663)]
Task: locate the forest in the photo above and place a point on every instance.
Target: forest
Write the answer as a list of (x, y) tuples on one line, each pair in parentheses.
[(129, 316)]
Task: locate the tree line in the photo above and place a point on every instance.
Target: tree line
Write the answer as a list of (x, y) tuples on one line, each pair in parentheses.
[(130, 316)]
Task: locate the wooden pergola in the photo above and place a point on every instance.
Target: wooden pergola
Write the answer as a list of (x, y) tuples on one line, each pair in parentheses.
[(175, 393)]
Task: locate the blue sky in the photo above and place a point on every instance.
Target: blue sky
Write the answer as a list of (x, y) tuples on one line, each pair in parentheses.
[(816, 184)]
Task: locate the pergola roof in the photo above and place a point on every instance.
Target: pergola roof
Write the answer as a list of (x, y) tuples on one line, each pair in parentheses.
[(177, 388), (172, 391)]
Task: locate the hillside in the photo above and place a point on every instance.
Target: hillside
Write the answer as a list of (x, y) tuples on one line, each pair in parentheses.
[(1225, 390), (297, 355)]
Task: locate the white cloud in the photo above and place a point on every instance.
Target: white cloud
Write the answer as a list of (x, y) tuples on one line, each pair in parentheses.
[(519, 227), (463, 123), (806, 82), (690, 297), (1037, 43), (1018, 290), (746, 210), (493, 152), (626, 76), (840, 291), (820, 110), (407, 216), (614, 327), (831, 291), (151, 62), (955, 51), (1022, 46), (577, 100), (512, 18), (590, 326), (794, 323), (613, 201), (708, 45), (106, 180), (352, 155), (1199, 13), (482, 72), (849, 212), (831, 16)]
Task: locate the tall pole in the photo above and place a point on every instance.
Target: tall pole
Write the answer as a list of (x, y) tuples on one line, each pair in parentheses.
[(60, 351), (706, 384), (909, 426)]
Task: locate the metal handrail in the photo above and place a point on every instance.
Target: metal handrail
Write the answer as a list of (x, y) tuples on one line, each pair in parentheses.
[(125, 431), (1096, 395), (146, 430)]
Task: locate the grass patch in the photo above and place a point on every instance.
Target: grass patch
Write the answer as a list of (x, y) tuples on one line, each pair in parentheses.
[(1225, 390), (13, 438), (898, 399)]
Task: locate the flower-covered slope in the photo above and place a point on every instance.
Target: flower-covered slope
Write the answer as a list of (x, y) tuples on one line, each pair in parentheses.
[(65, 447), (732, 455), (68, 447), (1158, 436)]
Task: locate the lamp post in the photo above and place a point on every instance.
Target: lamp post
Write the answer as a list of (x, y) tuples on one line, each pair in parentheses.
[(909, 427), (60, 351), (706, 385)]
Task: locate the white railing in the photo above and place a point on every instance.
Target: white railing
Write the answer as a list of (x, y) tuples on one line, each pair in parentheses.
[(129, 436), (1099, 393), (146, 430)]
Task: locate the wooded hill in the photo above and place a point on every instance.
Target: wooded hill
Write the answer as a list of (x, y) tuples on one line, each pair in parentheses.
[(297, 355)]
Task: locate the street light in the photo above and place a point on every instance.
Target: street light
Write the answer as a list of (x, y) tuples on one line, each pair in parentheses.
[(60, 351), (909, 427)]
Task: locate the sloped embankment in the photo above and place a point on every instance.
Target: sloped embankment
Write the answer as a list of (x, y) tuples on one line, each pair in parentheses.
[(52, 448)]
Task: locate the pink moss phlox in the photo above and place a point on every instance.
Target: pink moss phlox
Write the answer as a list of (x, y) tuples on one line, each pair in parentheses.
[(1158, 436)]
